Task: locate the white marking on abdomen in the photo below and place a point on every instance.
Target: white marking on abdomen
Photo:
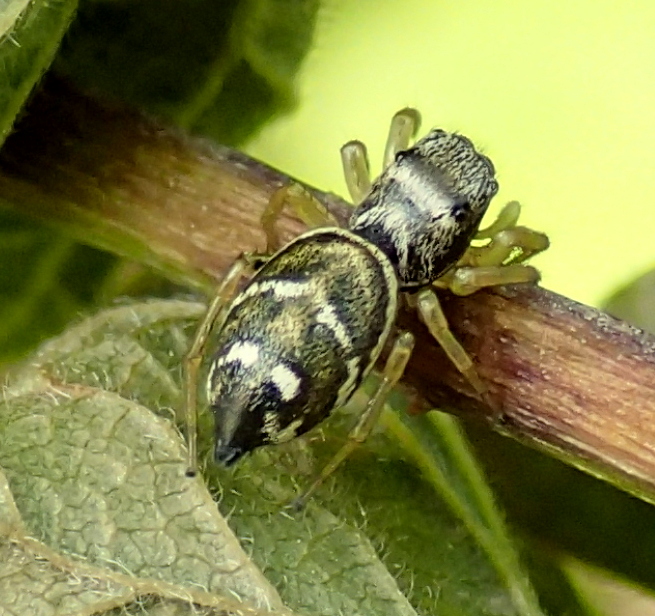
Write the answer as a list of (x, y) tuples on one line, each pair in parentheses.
[(328, 317), (286, 381), (244, 353), (282, 289)]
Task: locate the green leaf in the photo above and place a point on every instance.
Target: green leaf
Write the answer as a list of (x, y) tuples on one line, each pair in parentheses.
[(27, 574), (96, 468), (567, 511), (30, 33), (219, 68), (635, 301), (99, 480)]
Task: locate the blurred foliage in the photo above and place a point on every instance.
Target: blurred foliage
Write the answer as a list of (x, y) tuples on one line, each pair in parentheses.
[(46, 279), (635, 302), (564, 509), (220, 68)]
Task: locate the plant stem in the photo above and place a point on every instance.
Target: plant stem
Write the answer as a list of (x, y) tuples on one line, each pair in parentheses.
[(569, 379)]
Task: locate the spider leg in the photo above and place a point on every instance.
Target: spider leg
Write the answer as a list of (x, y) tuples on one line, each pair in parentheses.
[(501, 260), (431, 313), (354, 157), (304, 205), (393, 371), (241, 268), (404, 126), (507, 218), (356, 170), (513, 245)]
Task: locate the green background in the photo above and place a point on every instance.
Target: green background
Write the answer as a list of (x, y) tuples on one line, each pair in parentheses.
[(559, 95)]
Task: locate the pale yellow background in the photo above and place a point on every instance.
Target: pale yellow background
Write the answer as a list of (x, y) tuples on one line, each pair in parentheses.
[(561, 96)]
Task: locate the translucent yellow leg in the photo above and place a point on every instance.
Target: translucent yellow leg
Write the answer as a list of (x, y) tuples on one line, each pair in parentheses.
[(431, 313), (393, 371), (404, 126), (507, 218), (522, 241), (356, 170), (501, 260), (240, 268), (467, 280), (305, 206), (354, 158)]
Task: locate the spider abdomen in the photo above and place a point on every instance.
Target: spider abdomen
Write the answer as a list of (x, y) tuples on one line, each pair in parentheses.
[(299, 339)]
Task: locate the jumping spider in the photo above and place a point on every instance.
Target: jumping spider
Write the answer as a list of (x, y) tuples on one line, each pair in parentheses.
[(303, 334)]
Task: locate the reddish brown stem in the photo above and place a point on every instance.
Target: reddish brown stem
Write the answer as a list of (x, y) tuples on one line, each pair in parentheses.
[(568, 378)]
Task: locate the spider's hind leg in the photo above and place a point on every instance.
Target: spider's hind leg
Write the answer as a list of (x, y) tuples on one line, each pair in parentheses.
[(392, 373), (304, 205)]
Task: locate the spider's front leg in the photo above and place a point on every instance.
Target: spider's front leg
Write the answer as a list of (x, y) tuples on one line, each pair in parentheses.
[(356, 170), (500, 261), (354, 158), (497, 263), (404, 127)]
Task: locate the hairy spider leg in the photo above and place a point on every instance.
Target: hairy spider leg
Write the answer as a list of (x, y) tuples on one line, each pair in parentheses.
[(241, 268), (304, 205), (393, 372), (501, 260)]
